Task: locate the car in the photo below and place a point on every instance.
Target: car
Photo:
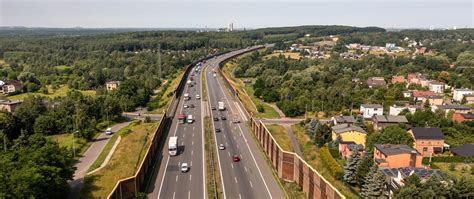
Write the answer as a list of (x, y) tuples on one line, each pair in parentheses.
[(235, 158), (223, 118), (218, 130), (221, 147), (109, 131), (192, 105), (213, 108), (236, 120), (184, 167), (216, 119), (185, 106), (198, 97)]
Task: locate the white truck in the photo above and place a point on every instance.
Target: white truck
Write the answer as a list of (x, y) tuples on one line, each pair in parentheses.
[(173, 146), (221, 106)]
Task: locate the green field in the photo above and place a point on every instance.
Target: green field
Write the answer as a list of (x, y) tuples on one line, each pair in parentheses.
[(66, 141), (52, 93), (460, 169)]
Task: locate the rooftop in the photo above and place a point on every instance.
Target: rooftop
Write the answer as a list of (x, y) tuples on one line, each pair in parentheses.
[(341, 128), (345, 119), (371, 106), (466, 150), (390, 118), (8, 102), (454, 106), (418, 93), (427, 133), (394, 149), (407, 171)]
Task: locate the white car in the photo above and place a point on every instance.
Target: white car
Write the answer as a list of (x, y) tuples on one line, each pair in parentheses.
[(185, 106), (215, 75), (184, 167), (109, 131), (221, 147), (198, 97)]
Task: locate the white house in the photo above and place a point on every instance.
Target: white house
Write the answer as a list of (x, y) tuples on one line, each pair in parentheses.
[(395, 110), (369, 110), (458, 94), (407, 94), (437, 87)]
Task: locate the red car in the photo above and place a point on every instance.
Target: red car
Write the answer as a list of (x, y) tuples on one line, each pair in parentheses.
[(235, 158)]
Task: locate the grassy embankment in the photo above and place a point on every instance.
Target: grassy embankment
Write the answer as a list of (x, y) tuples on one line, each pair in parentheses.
[(292, 55), (281, 136), (124, 162), (52, 93), (246, 92), (161, 102), (312, 155)]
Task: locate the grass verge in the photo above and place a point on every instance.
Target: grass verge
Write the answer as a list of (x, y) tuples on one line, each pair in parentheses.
[(66, 141), (458, 170), (52, 93), (203, 85), (124, 162), (313, 157), (213, 178), (161, 102), (281, 136)]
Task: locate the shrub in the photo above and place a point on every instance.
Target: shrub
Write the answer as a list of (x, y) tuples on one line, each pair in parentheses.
[(260, 108), (330, 163)]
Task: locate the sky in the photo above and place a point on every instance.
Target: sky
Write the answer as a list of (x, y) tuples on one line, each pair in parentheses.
[(242, 13)]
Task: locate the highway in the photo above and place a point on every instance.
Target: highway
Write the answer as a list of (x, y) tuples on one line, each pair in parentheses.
[(252, 176), (170, 182)]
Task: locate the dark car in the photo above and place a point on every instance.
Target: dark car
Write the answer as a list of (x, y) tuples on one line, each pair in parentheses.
[(192, 105), (218, 130), (235, 158), (216, 119), (213, 108), (223, 118)]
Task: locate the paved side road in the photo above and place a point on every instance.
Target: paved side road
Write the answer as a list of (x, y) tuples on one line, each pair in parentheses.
[(89, 158)]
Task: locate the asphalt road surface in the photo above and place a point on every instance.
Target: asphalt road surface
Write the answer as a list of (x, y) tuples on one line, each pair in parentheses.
[(252, 176)]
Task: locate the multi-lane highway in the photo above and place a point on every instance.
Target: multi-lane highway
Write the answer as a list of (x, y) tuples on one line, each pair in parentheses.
[(249, 178)]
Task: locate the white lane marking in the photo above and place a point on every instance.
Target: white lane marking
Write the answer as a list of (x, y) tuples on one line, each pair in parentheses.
[(246, 169), (235, 178), (184, 135), (241, 112), (189, 194), (192, 152), (174, 193), (177, 178), (190, 177), (240, 196), (191, 164), (192, 143), (251, 185), (184, 128), (182, 143), (232, 165), (246, 142), (228, 153)]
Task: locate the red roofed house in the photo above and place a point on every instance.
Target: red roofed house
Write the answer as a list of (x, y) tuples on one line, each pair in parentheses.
[(346, 148), (421, 96), (398, 80), (461, 117)]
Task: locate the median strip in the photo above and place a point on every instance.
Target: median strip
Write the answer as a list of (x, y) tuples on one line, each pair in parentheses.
[(212, 175)]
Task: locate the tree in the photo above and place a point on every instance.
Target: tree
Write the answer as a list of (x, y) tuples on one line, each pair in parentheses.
[(374, 184), (360, 122), (364, 167), (392, 134), (464, 99), (350, 169)]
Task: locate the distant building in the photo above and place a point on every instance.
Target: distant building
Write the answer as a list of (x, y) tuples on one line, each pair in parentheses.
[(11, 86), (396, 110), (452, 107), (349, 133), (465, 150), (347, 148), (428, 141), (436, 87), (9, 106), (343, 119), (435, 100), (395, 156), (461, 117), (112, 85), (369, 110), (407, 94), (230, 28), (415, 78), (458, 94), (376, 82), (421, 96), (398, 80), (381, 121), (390, 46)]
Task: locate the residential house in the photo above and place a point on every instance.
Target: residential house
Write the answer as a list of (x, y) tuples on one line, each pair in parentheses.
[(415, 78), (11, 86), (428, 141), (343, 119), (381, 121), (461, 117), (469, 98), (349, 133), (346, 149), (9, 106), (373, 82), (425, 82), (396, 155), (459, 93), (407, 94), (420, 96), (436, 87), (465, 150), (395, 177), (398, 80), (112, 85), (452, 107), (435, 100), (396, 110), (369, 110)]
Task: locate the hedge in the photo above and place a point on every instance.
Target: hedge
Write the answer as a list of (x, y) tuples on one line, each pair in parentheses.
[(426, 160), (330, 163)]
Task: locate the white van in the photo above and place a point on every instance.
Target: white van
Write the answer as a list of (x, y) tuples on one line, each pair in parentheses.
[(108, 131), (190, 119)]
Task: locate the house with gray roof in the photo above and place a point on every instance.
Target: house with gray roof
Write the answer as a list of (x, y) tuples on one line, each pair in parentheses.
[(396, 155), (381, 121)]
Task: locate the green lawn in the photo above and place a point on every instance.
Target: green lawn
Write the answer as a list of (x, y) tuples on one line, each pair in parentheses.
[(281, 136), (66, 141), (62, 67), (52, 93), (460, 169)]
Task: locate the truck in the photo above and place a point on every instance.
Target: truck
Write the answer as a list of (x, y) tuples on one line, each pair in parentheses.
[(221, 106), (173, 146)]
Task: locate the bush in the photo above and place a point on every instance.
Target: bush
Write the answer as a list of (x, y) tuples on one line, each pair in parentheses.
[(148, 119), (331, 164), (260, 108), (334, 152)]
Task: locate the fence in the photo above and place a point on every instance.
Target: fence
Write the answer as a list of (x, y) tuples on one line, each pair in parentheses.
[(288, 165), (129, 187)]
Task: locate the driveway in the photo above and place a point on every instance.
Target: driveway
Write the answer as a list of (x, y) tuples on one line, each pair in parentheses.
[(88, 158)]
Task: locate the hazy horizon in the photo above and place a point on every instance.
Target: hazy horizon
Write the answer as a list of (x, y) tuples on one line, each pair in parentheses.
[(186, 14)]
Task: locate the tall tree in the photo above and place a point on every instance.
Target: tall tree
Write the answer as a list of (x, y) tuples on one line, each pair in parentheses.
[(374, 186), (350, 169)]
